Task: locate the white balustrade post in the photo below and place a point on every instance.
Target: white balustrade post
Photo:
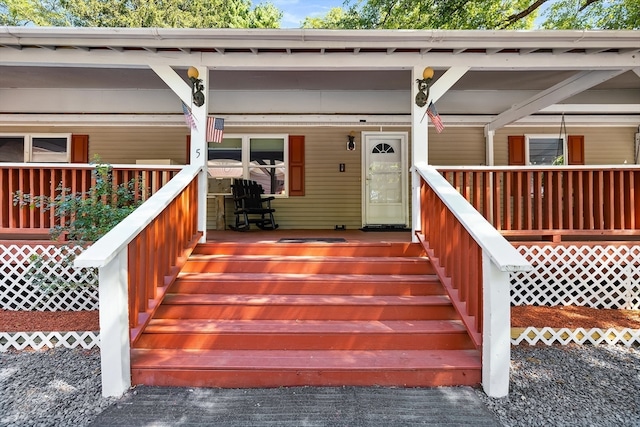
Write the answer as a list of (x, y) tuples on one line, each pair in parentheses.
[(114, 326), (496, 329)]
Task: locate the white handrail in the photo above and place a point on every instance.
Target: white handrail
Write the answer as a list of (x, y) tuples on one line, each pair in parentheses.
[(493, 244), (104, 250)]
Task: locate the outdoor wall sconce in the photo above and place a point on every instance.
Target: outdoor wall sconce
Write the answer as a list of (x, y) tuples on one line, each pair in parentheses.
[(423, 84), (196, 86), (351, 143)]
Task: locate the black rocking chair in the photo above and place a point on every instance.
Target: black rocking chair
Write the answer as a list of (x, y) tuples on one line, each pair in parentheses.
[(251, 207)]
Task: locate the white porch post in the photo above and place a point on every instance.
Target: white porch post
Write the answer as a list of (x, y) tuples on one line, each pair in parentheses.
[(488, 137), (114, 326), (419, 150), (198, 151), (490, 161), (420, 131), (496, 329)]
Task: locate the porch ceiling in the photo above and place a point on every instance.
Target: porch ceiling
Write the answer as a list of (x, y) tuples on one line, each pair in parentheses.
[(525, 62), (132, 78)]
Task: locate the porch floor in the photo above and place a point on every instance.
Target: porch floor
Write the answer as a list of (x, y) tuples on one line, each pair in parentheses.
[(272, 236)]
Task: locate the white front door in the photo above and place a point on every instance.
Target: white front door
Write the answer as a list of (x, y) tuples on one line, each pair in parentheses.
[(385, 187)]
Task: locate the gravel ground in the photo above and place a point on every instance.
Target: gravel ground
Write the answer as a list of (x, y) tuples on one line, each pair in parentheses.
[(58, 387), (571, 386), (550, 386)]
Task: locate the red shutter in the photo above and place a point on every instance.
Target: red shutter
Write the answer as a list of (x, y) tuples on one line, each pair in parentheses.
[(79, 148), (575, 150), (296, 165), (516, 150)]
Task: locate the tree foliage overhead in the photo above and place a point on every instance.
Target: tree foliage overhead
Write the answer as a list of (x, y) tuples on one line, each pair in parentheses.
[(480, 14), (140, 13), (422, 14), (593, 14), (355, 14)]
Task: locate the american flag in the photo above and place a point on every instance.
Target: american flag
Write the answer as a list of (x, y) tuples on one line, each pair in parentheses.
[(435, 117), (215, 129), (188, 117)]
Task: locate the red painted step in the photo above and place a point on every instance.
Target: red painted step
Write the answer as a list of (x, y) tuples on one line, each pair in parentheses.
[(300, 284), (305, 335), (386, 249), (305, 307), (288, 368), (268, 264), (270, 315)]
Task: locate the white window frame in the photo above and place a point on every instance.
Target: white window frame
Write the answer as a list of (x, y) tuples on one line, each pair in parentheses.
[(28, 144), (246, 152), (528, 137)]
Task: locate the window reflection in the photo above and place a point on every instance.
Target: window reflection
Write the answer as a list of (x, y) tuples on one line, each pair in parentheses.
[(260, 159)]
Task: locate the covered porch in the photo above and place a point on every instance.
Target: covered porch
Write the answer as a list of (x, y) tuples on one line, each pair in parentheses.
[(456, 239), (338, 106)]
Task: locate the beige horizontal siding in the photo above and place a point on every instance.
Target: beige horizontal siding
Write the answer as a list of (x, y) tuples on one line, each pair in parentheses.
[(457, 146), (333, 197), (125, 145)]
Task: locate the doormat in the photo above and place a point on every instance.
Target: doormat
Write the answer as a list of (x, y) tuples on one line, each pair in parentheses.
[(314, 240), (385, 228)]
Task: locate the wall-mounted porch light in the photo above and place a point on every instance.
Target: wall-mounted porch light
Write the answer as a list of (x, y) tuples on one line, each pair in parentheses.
[(351, 143), (196, 86), (423, 85)]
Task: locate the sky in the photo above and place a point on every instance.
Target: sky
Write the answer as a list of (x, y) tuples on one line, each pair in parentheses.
[(296, 10)]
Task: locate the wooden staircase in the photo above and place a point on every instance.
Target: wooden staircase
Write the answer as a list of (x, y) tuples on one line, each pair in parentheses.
[(278, 314)]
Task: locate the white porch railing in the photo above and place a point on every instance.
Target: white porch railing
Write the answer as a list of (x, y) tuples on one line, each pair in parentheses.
[(137, 261), (473, 262)]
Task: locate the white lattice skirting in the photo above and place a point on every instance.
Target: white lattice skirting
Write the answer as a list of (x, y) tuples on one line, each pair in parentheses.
[(564, 336), (40, 340), (593, 276), (17, 292)]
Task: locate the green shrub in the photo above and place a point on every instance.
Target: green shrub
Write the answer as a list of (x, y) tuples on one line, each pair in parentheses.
[(87, 217)]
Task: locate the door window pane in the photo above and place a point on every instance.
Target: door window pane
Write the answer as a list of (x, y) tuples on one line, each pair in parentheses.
[(385, 175)]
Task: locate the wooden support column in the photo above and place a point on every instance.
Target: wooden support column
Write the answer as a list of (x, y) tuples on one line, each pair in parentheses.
[(198, 145), (420, 131)]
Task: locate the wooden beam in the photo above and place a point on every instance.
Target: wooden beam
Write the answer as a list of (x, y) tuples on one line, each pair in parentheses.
[(174, 81), (446, 81), (575, 84)]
